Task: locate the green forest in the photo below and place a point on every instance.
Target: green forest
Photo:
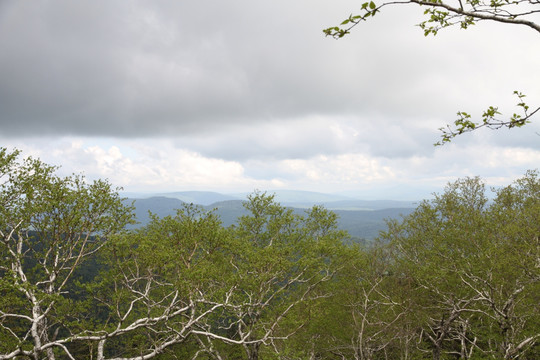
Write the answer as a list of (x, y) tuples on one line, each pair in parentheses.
[(458, 278)]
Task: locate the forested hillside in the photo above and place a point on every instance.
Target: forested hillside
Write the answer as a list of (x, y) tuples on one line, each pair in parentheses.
[(458, 278)]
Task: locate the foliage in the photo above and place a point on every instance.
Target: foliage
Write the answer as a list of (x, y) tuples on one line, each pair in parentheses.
[(48, 227), (474, 265), (281, 262), (457, 278), (443, 14), (165, 282), (75, 284), (490, 120)]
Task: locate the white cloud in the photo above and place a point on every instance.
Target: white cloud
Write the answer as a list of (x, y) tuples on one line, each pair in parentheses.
[(159, 165)]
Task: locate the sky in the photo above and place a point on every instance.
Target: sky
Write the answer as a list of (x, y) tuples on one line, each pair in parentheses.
[(233, 96)]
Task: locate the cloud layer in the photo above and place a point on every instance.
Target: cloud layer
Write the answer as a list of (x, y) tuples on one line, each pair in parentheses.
[(230, 95)]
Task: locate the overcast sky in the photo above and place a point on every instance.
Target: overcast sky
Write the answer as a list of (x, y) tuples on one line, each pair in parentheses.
[(234, 96)]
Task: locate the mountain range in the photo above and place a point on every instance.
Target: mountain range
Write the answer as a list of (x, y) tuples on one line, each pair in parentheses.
[(291, 198), (362, 219)]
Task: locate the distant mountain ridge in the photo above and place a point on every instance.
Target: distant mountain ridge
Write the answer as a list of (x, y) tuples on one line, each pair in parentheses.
[(299, 196), (290, 198), (360, 218), (195, 197)]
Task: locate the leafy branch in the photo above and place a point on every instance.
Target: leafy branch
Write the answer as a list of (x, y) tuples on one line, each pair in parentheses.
[(490, 120), (369, 9), (441, 14)]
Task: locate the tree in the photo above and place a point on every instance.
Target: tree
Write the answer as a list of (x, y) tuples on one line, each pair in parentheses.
[(76, 284), (474, 265), (155, 286), (364, 318), (509, 282), (167, 284), (282, 260), (215, 291), (49, 226), (442, 14)]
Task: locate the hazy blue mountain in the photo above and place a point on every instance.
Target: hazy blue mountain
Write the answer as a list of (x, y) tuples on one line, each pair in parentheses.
[(302, 197), (394, 192), (158, 205), (195, 197), (228, 211), (368, 224), (306, 199), (364, 224), (291, 198), (136, 195), (369, 204), (199, 197)]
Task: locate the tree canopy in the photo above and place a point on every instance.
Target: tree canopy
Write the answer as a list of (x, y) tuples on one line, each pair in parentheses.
[(76, 284), (459, 278)]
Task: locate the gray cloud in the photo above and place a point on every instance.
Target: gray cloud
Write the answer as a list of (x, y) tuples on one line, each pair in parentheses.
[(240, 80)]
